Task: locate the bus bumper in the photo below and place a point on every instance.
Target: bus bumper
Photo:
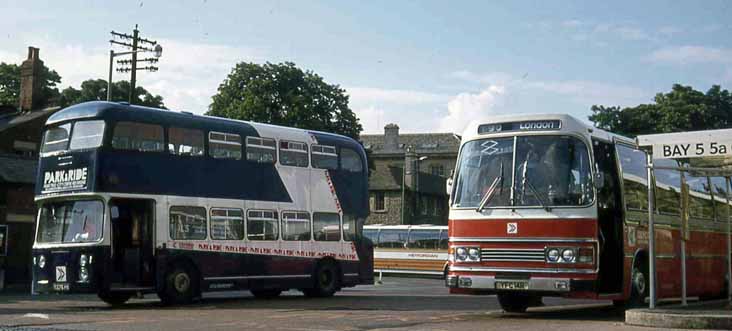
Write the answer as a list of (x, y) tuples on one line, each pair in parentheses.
[(491, 284)]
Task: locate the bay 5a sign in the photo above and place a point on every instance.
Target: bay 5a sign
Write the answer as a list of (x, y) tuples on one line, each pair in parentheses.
[(691, 144)]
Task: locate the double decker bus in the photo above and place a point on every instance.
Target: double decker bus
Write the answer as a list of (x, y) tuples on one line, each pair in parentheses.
[(136, 200), (545, 205)]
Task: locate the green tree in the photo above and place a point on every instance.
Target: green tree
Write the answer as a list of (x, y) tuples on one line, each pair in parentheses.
[(96, 89), (283, 94), (682, 109), (10, 86)]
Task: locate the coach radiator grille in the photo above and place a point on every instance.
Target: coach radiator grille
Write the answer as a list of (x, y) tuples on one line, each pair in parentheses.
[(512, 254)]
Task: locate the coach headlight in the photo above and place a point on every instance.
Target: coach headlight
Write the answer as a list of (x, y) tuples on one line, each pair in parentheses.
[(461, 254), (41, 261), (474, 254), (552, 255), (568, 255)]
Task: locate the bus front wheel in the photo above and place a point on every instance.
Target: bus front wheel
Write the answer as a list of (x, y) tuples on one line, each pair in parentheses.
[(180, 286), (325, 282)]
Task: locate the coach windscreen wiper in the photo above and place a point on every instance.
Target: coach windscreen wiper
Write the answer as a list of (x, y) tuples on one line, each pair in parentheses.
[(491, 191), (525, 182)]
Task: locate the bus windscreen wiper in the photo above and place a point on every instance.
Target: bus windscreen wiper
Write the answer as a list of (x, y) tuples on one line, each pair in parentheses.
[(491, 191), (525, 182)]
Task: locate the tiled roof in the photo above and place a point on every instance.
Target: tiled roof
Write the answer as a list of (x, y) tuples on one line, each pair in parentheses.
[(423, 143), (10, 120), (17, 169), (389, 178)]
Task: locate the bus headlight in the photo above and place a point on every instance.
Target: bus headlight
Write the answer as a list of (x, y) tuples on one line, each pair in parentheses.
[(42, 262), (84, 260), (568, 255), (83, 275), (474, 254), (552, 255), (461, 254)]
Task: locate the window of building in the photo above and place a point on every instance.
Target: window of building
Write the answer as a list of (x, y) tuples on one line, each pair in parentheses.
[(437, 169), (262, 225), (224, 145), (324, 157), (261, 150), (633, 163), (350, 160), (227, 224), (379, 202), (293, 153), (187, 223), (295, 226), (87, 134), (349, 227), (183, 141), (392, 238), (424, 239), (56, 139), (138, 137), (326, 226)]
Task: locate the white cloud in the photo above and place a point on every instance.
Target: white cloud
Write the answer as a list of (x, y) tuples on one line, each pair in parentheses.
[(466, 107), (691, 54), (371, 95)]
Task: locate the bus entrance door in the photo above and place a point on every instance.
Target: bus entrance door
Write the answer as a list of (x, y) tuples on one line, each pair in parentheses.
[(132, 243), (610, 219)]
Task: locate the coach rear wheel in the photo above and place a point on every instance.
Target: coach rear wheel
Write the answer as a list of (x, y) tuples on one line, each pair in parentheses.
[(181, 286), (325, 282), (266, 294), (114, 298)]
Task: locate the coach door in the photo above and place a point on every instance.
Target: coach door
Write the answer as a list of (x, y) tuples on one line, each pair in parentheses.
[(609, 217), (132, 242)]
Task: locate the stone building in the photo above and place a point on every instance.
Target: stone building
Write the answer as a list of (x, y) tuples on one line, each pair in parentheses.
[(428, 158), (21, 127)]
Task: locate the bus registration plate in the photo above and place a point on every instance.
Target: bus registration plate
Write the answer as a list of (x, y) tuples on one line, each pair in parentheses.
[(61, 286), (512, 285)]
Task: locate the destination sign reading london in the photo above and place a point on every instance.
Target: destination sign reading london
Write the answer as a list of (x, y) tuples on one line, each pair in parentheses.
[(694, 144), (64, 180)]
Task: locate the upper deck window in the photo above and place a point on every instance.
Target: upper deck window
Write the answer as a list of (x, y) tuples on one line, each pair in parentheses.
[(261, 150), (324, 157), (224, 145), (350, 160), (138, 137), (183, 141), (56, 139), (87, 134), (293, 153)]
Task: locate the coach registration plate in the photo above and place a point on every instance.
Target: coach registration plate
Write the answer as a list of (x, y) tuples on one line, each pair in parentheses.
[(512, 285)]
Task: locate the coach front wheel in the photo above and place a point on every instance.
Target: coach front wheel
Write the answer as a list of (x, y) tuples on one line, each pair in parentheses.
[(638, 287), (518, 303)]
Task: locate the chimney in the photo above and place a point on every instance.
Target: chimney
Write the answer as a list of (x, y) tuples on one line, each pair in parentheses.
[(410, 168), (30, 80), (391, 137)]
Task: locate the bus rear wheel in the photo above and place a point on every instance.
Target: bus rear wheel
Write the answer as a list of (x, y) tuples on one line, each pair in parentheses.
[(114, 298), (517, 303), (266, 294), (181, 286), (325, 282)]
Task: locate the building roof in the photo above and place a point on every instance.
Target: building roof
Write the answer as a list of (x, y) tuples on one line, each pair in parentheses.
[(8, 121), (389, 178), (422, 143), (17, 169)]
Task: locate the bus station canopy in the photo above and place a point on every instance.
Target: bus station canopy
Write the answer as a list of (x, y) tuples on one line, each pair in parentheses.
[(708, 151)]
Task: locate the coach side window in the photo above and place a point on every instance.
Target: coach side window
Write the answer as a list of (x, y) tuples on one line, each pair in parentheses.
[(668, 190), (138, 137), (261, 150), (635, 179), (183, 141), (719, 190), (324, 157), (327, 226), (262, 225), (187, 223), (224, 145), (444, 240), (295, 226), (392, 238), (700, 198), (227, 224), (293, 153), (424, 239), (350, 160)]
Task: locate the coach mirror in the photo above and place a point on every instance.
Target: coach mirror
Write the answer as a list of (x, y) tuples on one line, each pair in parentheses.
[(448, 182)]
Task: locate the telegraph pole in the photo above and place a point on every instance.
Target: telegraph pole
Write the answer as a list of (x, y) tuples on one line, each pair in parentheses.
[(136, 44)]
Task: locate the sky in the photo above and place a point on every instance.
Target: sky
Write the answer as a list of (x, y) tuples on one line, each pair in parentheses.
[(428, 66)]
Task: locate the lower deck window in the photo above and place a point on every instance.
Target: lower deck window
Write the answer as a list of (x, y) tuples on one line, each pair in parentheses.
[(227, 224), (295, 226), (262, 225), (327, 226), (187, 223)]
